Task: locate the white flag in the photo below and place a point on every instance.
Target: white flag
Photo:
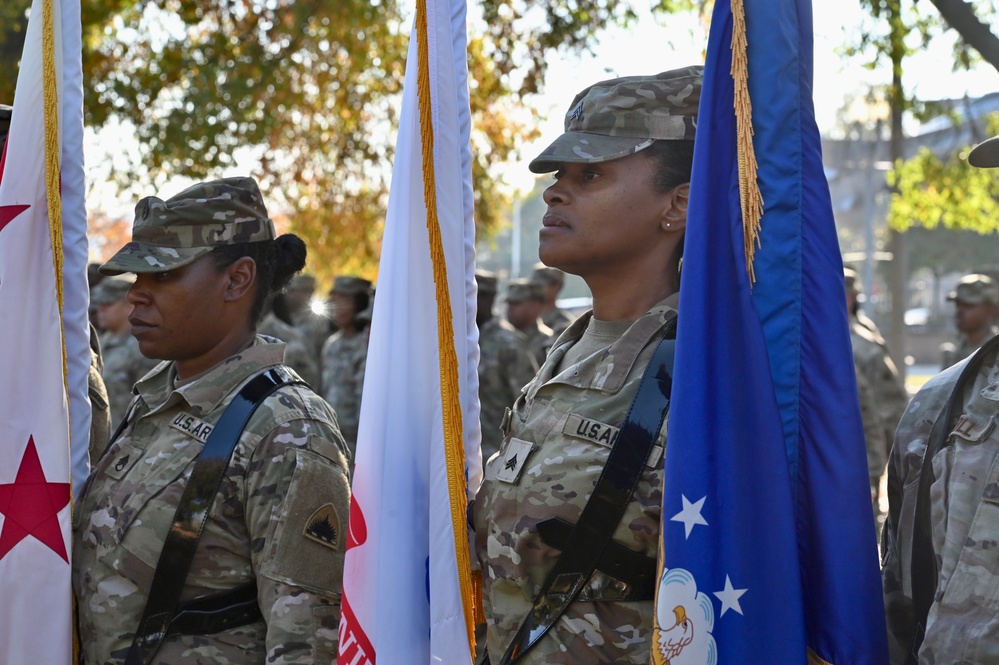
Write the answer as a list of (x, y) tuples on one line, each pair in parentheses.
[(406, 582), (35, 319)]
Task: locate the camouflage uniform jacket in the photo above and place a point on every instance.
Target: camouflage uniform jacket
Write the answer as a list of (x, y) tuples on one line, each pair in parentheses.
[(540, 338), (964, 517), (558, 438), (505, 366), (298, 353), (279, 519), (124, 365), (956, 352), (344, 359), (100, 418)]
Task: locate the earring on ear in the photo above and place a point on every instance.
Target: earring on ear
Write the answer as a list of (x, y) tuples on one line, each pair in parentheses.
[(668, 225)]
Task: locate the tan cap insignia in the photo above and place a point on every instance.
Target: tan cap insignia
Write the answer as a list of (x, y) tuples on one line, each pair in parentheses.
[(324, 527)]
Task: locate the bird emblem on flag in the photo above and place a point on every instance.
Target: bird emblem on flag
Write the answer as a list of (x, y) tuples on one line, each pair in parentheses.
[(682, 635)]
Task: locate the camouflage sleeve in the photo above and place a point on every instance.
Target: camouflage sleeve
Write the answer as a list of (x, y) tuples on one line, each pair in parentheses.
[(874, 433), (100, 412), (898, 603), (519, 366), (297, 503)]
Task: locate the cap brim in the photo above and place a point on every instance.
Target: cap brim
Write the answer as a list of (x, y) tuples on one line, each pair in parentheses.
[(985, 155), (139, 257), (586, 148)]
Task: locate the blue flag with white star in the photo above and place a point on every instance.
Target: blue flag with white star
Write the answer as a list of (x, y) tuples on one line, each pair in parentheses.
[(769, 553)]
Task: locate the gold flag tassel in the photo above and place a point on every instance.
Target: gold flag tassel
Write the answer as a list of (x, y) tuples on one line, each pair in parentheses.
[(749, 188), (454, 449)]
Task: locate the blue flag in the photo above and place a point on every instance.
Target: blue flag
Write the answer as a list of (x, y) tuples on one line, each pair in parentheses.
[(769, 554)]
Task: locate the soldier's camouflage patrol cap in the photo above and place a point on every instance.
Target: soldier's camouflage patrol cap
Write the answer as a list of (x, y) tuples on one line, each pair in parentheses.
[(850, 279), (618, 117), (173, 233), (985, 155), (975, 290), (111, 290), (486, 281), (349, 285), (519, 290), (547, 275)]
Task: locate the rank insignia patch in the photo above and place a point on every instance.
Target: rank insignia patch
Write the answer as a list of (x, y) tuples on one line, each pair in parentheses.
[(324, 527)]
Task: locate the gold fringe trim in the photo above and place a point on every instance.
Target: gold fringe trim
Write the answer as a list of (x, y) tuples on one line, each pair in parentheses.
[(749, 188), (815, 659), (454, 449)]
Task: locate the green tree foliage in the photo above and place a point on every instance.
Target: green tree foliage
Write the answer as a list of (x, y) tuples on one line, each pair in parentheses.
[(311, 89), (931, 192)]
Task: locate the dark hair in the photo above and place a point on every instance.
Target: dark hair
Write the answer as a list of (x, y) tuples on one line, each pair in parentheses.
[(277, 262), (674, 160)]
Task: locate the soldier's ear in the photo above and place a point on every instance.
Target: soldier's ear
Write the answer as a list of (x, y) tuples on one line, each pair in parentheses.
[(240, 276), (674, 215)]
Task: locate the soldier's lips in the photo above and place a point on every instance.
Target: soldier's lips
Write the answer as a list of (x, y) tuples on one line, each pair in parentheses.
[(139, 326)]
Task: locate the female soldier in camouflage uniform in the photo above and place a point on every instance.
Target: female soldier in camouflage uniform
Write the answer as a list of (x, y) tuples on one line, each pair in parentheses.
[(205, 261), (616, 216)]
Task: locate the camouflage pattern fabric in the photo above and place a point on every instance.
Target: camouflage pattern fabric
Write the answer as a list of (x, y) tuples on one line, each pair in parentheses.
[(316, 329), (964, 505), (539, 339), (557, 319), (124, 365), (279, 519), (298, 353), (173, 233), (343, 362), (100, 414), (956, 351), (557, 440), (505, 366), (886, 402), (618, 117)]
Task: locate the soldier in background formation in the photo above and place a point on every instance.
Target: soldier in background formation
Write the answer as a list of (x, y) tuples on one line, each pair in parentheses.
[(976, 305), (309, 316), (505, 364), (345, 354), (124, 363), (524, 301), (299, 353), (881, 391), (941, 563), (552, 279)]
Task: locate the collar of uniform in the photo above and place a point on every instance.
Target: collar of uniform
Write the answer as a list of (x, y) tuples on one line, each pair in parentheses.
[(205, 392), (624, 351)]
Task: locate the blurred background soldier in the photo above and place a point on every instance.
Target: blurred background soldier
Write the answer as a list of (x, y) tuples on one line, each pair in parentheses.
[(124, 364), (524, 302), (885, 400), (345, 354), (976, 305), (505, 364), (299, 353), (309, 315), (552, 280)]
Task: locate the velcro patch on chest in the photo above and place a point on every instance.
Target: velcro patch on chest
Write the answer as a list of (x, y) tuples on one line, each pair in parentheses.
[(324, 527), (193, 427), (579, 427)]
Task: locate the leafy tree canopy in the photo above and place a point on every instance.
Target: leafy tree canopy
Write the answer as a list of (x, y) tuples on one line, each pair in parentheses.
[(311, 90)]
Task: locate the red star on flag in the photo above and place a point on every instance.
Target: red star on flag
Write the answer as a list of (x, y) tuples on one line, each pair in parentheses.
[(7, 213), (31, 506)]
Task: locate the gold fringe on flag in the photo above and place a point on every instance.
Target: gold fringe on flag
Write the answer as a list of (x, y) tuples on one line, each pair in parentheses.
[(53, 194), (749, 189), (454, 449)]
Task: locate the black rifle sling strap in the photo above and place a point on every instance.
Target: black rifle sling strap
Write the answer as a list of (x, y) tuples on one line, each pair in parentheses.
[(923, 566), (195, 503), (605, 508)]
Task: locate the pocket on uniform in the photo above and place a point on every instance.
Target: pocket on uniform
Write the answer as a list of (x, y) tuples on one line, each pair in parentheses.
[(306, 540)]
